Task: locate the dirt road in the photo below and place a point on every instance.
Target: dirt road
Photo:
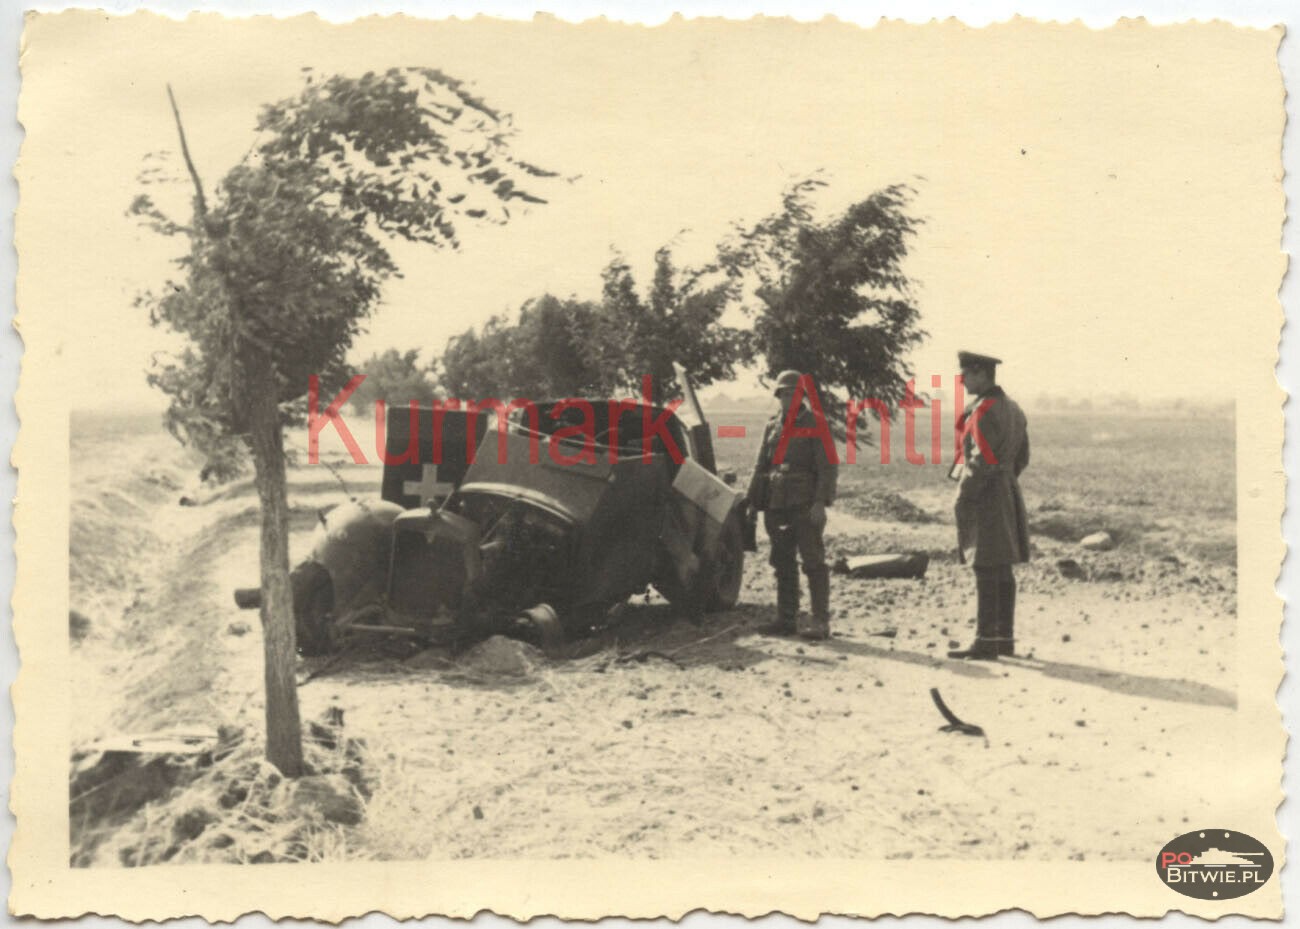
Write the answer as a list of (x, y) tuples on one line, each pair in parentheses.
[(658, 738)]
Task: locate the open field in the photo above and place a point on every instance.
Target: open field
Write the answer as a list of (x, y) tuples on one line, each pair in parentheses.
[(657, 738), (1162, 483)]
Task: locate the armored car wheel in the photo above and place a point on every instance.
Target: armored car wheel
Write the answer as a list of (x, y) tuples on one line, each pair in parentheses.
[(313, 610), (728, 568)]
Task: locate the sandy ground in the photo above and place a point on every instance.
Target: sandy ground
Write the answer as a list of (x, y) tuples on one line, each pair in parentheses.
[(658, 738)]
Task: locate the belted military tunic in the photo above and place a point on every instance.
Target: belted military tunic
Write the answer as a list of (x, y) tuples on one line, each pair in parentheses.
[(805, 474), (990, 510), (786, 491)]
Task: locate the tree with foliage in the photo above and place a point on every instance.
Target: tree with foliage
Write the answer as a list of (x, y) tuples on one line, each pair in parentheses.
[(545, 353), (396, 378), (286, 261), (471, 359), (561, 348), (829, 297), (679, 319)]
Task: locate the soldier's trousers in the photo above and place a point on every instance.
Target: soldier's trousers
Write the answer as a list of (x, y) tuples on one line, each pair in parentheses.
[(995, 588), (797, 537)]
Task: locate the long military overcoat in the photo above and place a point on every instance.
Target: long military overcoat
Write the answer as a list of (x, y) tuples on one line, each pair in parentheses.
[(990, 510)]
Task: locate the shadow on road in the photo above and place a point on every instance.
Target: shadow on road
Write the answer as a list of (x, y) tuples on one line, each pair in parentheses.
[(865, 650), (656, 632), (1175, 690)]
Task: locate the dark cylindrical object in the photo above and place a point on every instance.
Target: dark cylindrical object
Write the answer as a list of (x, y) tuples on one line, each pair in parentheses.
[(248, 598)]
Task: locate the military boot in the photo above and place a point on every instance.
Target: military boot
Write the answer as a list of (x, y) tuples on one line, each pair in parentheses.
[(1007, 617), (985, 646), (819, 592), (787, 606)]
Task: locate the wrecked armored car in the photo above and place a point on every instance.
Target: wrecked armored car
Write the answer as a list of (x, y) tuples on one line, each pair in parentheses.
[(537, 532)]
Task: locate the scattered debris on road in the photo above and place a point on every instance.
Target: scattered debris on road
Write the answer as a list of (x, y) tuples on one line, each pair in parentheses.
[(954, 724), (1098, 542), (895, 566)]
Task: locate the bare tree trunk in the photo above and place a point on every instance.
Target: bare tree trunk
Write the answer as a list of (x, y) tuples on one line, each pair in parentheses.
[(200, 202), (283, 730), (661, 375)]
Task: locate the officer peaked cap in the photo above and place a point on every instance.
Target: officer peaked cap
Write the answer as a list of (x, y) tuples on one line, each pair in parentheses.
[(976, 360)]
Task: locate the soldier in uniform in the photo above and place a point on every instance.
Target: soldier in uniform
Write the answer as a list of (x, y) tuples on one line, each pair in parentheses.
[(793, 495), (990, 510)]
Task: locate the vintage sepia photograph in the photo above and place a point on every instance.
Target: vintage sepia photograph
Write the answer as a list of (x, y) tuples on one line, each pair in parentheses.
[(800, 447)]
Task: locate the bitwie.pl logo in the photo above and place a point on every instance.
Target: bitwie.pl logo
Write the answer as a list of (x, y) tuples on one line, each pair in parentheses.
[(1214, 864)]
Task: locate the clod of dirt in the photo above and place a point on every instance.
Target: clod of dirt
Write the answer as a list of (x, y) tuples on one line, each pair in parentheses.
[(234, 795), (322, 735), (1097, 542), (887, 505), (1071, 570), (190, 824), (330, 795), (78, 625), (328, 729), (238, 627), (499, 655), (356, 774)]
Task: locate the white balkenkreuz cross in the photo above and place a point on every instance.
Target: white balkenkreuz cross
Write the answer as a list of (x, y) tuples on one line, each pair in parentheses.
[(428, 487)]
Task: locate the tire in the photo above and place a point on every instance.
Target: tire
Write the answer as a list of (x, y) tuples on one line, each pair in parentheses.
[(541, 626), (727, 572), (313, 610)]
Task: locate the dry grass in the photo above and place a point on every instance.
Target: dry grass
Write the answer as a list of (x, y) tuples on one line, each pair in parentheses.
[(228, 805)]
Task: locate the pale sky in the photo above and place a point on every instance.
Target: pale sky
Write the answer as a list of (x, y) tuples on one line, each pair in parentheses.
[(1096, 211)]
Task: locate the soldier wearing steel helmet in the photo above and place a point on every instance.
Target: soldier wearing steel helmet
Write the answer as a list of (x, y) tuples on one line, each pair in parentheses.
[(792, 494), (990, 511)]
